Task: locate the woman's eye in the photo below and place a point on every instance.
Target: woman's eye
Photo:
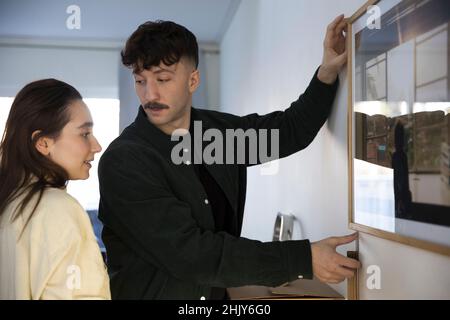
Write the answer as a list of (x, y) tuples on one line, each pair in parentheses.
[(85, 135)]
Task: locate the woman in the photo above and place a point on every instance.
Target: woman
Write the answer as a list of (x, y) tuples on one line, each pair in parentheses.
[(47, 246)]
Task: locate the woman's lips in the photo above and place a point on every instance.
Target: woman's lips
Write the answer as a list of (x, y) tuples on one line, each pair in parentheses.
[(88, 163)]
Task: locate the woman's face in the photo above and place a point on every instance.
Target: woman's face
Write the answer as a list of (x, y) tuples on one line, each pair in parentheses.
[(76, 146)]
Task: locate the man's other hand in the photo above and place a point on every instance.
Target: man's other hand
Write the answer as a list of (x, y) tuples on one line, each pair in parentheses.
[(328, 265), (334, 51)]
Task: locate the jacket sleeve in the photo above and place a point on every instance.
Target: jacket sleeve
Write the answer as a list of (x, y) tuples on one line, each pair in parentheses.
[(140, 208), (299, 124)]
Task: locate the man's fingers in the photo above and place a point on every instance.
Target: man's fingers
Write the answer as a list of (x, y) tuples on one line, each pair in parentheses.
[(348, 262), (341, 27), (334, 278), (335, 22), (335, 31), (334, 267), (338, 241), (338, 275), (342, 59), (343, 272)]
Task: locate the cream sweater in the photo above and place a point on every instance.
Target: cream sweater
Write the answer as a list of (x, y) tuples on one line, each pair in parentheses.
[(57, 256)]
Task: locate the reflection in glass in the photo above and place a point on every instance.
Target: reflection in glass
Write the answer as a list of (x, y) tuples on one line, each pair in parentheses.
[(401, 118)]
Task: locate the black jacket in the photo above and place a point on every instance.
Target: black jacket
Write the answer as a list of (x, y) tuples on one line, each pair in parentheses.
[(159, 230)]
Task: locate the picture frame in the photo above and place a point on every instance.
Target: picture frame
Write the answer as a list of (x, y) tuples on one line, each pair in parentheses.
[(399, 122)]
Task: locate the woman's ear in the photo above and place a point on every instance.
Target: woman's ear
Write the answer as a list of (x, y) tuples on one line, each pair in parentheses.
[(194, 81), (42, 144)]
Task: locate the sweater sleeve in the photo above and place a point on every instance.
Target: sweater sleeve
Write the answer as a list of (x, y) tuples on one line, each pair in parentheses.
[(298, 125), (66, 262)]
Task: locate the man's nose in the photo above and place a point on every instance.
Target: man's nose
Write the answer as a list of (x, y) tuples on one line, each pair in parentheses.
[(152, 92)]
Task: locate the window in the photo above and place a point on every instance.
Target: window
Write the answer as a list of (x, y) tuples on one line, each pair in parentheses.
[(5, 105)]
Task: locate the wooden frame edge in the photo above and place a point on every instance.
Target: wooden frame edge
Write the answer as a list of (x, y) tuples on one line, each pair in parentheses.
[(421, 244)]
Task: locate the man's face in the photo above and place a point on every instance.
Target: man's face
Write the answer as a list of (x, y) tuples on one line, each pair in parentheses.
[(165, 93)]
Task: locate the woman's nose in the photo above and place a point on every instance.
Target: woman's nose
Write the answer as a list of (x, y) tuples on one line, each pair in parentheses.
[(96, 147)]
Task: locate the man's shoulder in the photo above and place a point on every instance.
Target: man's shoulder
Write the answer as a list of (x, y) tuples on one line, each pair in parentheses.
[(218, 119), (126, 147), (127, 141)]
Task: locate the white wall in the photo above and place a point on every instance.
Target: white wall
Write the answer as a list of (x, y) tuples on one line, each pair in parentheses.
[(268, 56)]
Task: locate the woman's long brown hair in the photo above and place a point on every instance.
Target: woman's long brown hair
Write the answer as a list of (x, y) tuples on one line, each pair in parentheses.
[(41, 106)]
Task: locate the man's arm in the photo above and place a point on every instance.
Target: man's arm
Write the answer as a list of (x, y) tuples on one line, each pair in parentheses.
[(142, 211), (299, 124)]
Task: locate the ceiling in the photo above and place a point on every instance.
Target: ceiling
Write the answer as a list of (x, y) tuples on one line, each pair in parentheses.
[(113, 20)]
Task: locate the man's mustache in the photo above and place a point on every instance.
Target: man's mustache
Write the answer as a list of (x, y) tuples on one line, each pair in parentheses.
[(152, 105)]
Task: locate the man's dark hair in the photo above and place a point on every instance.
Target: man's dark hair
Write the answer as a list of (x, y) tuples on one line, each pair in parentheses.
[(159, 41)]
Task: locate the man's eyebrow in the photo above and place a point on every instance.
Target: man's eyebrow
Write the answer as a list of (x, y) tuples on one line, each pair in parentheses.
[(160, 70), (157, 71), (86, 125)]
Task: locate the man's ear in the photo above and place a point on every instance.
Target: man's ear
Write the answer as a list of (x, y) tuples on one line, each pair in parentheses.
[(194, 81), (42, 144)]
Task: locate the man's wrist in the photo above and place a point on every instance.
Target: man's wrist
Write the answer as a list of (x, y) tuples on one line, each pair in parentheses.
[(327, 76)]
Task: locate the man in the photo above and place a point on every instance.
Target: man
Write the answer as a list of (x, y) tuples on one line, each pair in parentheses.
[(172, 231)]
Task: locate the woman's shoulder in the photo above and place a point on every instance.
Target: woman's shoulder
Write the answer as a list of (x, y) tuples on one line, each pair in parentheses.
[(58, 208), (59, 199)]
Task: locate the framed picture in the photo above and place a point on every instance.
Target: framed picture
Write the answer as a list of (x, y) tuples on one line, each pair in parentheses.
[(399, 121)]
